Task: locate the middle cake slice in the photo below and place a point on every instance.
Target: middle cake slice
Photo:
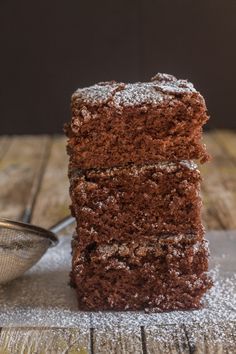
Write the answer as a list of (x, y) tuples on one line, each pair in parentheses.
[(137, 203)]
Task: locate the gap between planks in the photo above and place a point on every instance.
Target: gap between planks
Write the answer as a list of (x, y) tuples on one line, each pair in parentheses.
[(170, 339), (115, 339), (212, 339), (139, 340)]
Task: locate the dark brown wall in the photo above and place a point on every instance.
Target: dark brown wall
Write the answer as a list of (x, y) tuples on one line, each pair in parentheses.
[(50, 47)]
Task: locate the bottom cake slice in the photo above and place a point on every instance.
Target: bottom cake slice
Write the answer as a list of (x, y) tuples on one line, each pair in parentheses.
[(155, 276), (139, 240)]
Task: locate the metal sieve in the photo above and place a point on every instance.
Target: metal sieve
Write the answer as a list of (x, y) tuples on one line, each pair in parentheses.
[(22, 245)]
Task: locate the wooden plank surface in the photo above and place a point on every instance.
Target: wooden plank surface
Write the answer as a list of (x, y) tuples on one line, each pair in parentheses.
[(21, 167), (219, 183), (166, 339), (117, 341), (44, 341), (213, 340), (34, 186), (227, 140), (171, 339), (52, 202), (5, 143)]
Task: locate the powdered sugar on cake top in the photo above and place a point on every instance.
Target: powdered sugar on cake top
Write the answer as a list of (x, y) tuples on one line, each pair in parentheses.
[(161, 87), (97, 94)]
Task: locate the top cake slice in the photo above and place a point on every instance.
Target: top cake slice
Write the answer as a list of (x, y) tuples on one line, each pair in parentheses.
[(114, 124)]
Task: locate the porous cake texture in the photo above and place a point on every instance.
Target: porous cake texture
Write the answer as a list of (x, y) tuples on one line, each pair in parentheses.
[(151, 275), (139, 241), (136, 202), (115, 123)]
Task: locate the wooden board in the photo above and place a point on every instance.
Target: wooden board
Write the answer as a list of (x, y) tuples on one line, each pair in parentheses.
[(44, 340), (52, 202), (116, 341), (219, 183), (34, 187), (5, 143), (21, 167), (166, 339), (212, 341)]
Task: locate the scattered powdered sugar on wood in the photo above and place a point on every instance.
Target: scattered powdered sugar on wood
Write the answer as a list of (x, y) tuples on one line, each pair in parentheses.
[(42, 297)]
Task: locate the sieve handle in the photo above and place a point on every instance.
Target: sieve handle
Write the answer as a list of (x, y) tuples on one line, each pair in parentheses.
[(62, 224)]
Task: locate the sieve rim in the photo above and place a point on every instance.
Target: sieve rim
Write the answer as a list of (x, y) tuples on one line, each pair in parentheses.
[(21, 226)]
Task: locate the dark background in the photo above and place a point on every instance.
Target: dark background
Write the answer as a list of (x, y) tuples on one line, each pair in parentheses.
[(49, 48)]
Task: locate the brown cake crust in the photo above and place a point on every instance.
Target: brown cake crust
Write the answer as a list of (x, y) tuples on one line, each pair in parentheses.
[(137, 203), (114, 124)]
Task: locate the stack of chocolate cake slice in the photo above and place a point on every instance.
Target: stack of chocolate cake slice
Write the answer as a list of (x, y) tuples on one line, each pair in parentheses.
[(139, 241)]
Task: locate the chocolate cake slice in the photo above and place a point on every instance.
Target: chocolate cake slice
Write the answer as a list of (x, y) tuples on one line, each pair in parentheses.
[(139, 241), (140, 276), (114, 124), (136, 202)]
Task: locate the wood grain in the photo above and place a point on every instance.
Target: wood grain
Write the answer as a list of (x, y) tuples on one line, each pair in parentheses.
[(219, 338), (227, 140), (219, 186), (52, 202), (166, 339), (5, 142), (117, 341), (44, 341), (20, 170), (159, 339)]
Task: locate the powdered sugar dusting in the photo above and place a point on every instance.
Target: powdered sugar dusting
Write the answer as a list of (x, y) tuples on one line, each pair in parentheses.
[(139, 94), (134, 249), (162, 87), (135, 170), (97, 94), (43, 298)]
